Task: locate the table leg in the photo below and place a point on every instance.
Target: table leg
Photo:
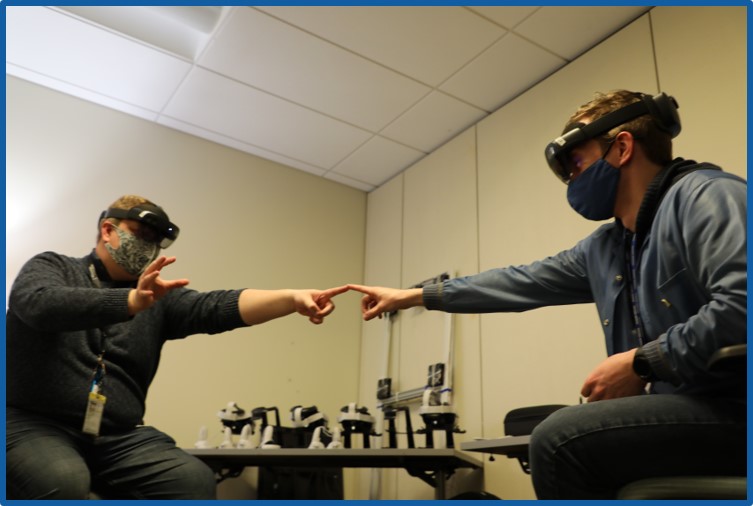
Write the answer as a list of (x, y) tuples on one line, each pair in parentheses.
[(440, 492)]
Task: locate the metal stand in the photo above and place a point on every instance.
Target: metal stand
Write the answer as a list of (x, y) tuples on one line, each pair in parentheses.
[(390, 415)]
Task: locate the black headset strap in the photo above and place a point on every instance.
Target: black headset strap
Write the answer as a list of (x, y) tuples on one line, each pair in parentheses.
[(615, 119)]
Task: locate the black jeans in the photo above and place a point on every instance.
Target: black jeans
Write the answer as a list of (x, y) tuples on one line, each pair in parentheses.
[(46, 460), (591, 450)]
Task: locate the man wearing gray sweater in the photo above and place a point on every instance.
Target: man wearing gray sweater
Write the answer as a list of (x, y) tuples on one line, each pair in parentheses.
[(84, 337)]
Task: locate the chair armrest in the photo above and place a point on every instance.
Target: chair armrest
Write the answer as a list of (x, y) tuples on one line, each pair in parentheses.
[(730, 358)]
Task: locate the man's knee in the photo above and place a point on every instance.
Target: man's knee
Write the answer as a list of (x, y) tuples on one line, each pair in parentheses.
[(545, 450), (57, 480), (552, 430), (199, 479)]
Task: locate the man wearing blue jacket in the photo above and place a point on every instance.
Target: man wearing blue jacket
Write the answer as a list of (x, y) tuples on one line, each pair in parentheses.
[(668, 277)]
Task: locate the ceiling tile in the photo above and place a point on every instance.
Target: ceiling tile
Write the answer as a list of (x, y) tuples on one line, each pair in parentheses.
[(433, 121), (586, 26), (507, 16), (500, 73), (58, 46), (377, 161), (239, 145), (426, 43), (351, 93), (334, 176), (309, 71), (76, 91), (257, 118)]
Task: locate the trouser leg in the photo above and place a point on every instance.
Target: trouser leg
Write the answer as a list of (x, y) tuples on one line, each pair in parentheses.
[(46, 460), (589, 451), (43, 460), (146, 464)]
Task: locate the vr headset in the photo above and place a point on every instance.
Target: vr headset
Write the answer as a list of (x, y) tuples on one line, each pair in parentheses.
[(662, 108), (152, 216)]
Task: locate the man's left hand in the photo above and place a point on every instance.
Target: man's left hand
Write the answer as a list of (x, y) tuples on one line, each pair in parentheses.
[(613, 378)]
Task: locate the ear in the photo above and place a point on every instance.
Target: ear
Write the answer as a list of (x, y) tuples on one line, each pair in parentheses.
[(625, 146), (105, 230)]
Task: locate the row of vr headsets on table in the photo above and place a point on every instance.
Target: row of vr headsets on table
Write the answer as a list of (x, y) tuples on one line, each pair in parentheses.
[(662, 108), (310, 428)]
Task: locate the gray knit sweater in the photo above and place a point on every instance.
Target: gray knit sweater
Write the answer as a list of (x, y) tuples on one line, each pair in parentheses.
[(60, 318)]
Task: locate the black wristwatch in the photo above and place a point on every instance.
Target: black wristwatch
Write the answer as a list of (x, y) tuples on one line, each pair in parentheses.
[(642, 366)]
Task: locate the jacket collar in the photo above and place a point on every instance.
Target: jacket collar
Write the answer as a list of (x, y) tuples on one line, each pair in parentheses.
[(668, 176)]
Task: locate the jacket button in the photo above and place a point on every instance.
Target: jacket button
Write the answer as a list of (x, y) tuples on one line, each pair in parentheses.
[(618, 278), (606, 322)]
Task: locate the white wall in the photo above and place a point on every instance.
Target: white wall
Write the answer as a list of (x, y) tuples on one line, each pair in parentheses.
[(245, 222), (487, 199)]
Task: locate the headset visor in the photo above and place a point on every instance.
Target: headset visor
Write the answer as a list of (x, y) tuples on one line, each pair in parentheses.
[(153, 217), (557, 152)]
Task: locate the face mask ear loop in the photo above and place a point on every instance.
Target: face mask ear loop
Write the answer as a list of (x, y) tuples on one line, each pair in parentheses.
[(609, 146)]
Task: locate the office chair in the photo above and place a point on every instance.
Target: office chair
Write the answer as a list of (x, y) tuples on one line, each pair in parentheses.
[(731, 359)]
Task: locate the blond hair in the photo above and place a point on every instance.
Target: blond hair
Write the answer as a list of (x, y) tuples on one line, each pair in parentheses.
[(125, 202)]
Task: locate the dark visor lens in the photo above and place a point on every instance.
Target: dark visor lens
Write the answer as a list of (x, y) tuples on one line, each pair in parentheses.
[(166, 230), (557, 152), (555, 159)]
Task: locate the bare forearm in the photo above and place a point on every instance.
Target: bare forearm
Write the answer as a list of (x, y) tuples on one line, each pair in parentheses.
[(411, 297), (259, 306)]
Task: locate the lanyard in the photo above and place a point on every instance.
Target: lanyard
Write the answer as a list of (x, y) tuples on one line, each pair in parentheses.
[(98, 376), (95, 403), (633, 260)]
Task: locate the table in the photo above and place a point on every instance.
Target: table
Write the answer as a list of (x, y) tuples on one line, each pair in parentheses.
[(501, 446), (515, 447), (432, 465)]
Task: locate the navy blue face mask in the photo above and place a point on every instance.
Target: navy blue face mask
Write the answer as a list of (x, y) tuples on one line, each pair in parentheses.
[(594, 192)]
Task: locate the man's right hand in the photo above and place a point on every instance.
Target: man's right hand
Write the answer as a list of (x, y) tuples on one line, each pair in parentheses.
[(378, 299), (151, 287)]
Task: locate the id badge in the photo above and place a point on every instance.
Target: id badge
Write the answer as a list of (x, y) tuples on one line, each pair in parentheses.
[(93, 418)]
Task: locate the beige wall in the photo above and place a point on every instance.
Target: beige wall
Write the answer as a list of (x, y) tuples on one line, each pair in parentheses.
[(701, 57), (245, 222), (486, 199)]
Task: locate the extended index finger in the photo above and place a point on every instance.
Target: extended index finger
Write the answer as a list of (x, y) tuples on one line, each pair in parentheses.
[(331, 292), (361, 288)]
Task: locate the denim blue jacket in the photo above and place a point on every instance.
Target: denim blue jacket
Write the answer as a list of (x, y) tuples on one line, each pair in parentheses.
[(691, 279)]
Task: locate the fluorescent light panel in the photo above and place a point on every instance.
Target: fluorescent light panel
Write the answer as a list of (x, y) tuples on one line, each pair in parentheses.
[(182, 30)]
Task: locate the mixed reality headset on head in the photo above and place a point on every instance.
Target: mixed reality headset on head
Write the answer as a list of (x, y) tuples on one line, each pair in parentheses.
[(150, 215), (661, 107)]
